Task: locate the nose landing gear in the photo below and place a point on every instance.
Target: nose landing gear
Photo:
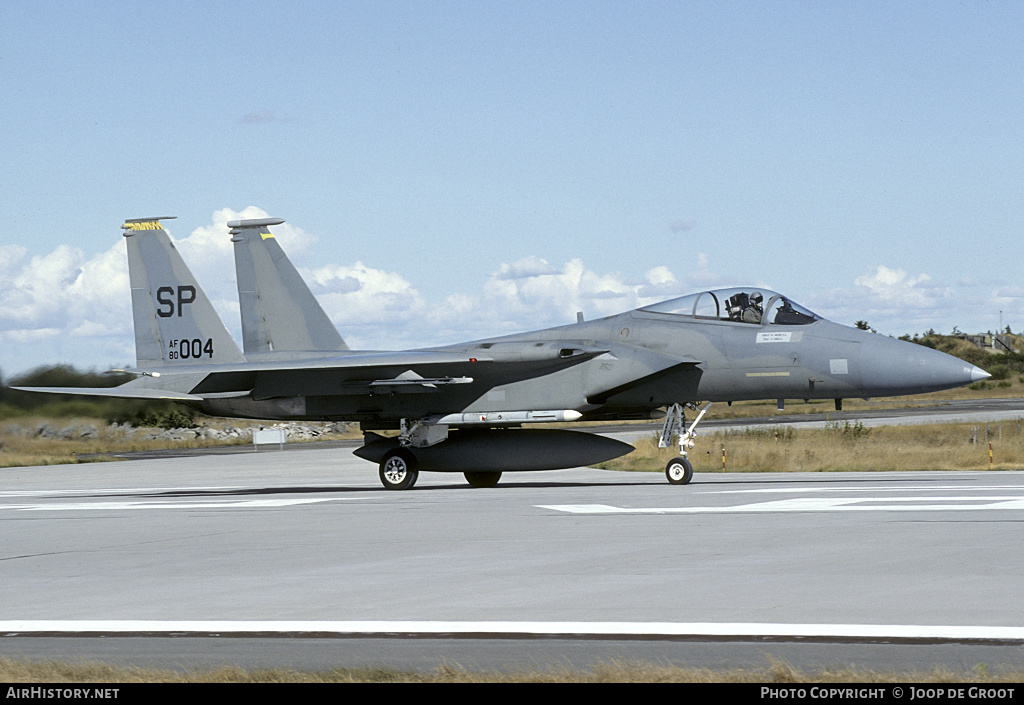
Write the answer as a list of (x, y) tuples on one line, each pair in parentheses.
[(679, 471)]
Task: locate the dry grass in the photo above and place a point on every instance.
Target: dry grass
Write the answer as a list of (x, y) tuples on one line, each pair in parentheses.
[(19, 450), (1011, 388), (844, 446), (13, 672)]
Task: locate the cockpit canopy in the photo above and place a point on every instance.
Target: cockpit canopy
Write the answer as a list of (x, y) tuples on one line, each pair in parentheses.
[(742, 305)]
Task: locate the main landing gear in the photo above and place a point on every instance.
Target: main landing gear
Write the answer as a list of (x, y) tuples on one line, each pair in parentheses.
[(482, 479), (399, 467), (679, 470), (398, 470)]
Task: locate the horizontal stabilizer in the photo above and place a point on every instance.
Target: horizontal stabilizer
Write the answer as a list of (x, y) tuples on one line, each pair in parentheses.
[(116, 392), (351, 361)]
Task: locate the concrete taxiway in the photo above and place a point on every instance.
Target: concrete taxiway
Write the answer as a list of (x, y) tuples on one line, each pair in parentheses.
[(560, 567)]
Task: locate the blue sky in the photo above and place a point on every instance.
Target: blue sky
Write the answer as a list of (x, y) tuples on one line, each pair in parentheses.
[(451, 170)]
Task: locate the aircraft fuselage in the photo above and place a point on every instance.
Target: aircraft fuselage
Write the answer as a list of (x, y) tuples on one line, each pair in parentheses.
[(645, 360)]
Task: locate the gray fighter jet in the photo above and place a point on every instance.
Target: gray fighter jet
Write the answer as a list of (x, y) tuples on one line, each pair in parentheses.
[(462, 408)]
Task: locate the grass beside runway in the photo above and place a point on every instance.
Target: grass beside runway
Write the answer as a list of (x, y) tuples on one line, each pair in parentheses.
[(20, 671), (842, 446), (81, 440)]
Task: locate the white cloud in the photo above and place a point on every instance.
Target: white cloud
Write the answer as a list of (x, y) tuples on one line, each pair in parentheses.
[(55, 306), (30, 335), (702, 277), (895, 302), (63, 294), (896, 286), (546, 296), (10, 255), (1010, 294), (364, 302), (376, 308), (661, 284), (214, 239), (525, 268), (1008, 305), (555, 295)]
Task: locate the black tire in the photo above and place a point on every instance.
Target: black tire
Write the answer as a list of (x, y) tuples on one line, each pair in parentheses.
[(679, 471), (483, 479), (398, 470)]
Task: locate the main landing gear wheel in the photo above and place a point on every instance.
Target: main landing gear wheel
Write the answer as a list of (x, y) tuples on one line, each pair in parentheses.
[(483, 479), (679, 471), (398, 470)]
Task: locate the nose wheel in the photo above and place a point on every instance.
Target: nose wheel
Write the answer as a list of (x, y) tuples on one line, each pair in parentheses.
[(679, 471)]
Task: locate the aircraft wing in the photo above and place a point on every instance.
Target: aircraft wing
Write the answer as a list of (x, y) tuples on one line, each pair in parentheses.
[(402, 372), (397, 372), (354, 361)]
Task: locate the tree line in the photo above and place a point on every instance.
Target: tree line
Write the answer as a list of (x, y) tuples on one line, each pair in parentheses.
[(138, 412)]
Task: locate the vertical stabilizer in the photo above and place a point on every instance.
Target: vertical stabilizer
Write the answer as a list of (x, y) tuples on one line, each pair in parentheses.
[(279, 312), (175, 323)]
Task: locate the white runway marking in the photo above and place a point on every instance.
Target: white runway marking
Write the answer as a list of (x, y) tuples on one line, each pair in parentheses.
[(817, 504), (509, 629), (163, 504), (873, 488)]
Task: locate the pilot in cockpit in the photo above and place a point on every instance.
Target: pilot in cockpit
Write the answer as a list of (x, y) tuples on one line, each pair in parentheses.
[(753, 311), (745, 307)]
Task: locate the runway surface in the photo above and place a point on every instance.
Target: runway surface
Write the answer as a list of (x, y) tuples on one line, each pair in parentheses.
[(305, 561)]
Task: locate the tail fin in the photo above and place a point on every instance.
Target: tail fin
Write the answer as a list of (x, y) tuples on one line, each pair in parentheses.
[(175, 323), (279, 312)]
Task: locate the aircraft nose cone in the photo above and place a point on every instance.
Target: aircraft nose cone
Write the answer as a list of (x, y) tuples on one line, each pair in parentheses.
[(910, 368)]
